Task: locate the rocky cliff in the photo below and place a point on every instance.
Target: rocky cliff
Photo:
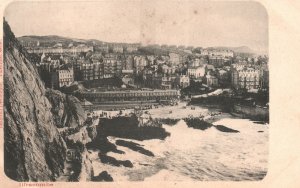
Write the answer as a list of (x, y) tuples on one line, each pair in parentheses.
[(34, 149), (66, 109)]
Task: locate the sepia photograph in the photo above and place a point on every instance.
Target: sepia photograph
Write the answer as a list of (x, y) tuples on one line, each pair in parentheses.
[(135, 90)]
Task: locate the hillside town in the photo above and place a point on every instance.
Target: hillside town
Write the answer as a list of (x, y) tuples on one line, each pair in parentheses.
[(156, 67)]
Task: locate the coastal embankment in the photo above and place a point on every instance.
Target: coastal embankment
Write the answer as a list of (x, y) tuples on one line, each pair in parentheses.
[(253, 112), (233, 106)]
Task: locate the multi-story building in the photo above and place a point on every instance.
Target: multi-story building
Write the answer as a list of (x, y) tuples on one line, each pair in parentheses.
[(29, 44), (119, 66), (51, 62), (127, 68), (127, 79), (110, 66), (118, 49), (264, 76), (247, 78), (196, 72), (223, 53), (151, 59), (98, 69), (175, 58), (204, 52), (239, 66), (48, 66), (104, 48), (62, 77), (77, 64), (223, 78), (113, 66), (140, 62), (87, 70), (168, 82), (188, 51), (183, 81), (131, 48), (209, 68), (217, 61), (168, 69), (197, 62), (153, 80), (147, 78), (211, 81), (65, 77), (128, 65)]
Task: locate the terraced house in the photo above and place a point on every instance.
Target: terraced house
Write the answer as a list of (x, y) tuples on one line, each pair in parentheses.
[(247, 78)]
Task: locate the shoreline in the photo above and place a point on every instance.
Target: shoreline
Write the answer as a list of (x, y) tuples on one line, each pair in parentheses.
[(140, 153)]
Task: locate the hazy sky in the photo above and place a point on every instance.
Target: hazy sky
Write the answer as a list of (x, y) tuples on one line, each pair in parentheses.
[(193, 23)]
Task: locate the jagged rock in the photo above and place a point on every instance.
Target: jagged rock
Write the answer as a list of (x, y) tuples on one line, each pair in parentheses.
[(92, 131), (81, 136), (66, 109), (135, 147), (114, 162), (128, 127), (33, 147), (226, 129), (103, 176), (197, 123)]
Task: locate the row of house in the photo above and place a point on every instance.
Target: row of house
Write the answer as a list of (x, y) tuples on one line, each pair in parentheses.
[(223, 53), (162, 81), (110, 65), (95, 68), (61, 50), (118, 48), (250, 78), (55, 71), (155, 75)]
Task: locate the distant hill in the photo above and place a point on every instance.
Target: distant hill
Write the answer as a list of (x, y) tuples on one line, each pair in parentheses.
[(32, 38), (54, 39), (51, 40), (240, 49)]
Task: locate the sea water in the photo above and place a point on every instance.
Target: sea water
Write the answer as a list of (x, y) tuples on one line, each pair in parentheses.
[(195, 155)]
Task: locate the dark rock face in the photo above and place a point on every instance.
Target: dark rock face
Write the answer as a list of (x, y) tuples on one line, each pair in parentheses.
[(128, 127), (104, 145), (226, 129), (197, 123), (66, 109), (135, 147), (33, 147), (92, 132), (114, 162), (103, 176)]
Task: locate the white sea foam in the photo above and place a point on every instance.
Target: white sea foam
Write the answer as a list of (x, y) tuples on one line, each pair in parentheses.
[(192, 154)]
